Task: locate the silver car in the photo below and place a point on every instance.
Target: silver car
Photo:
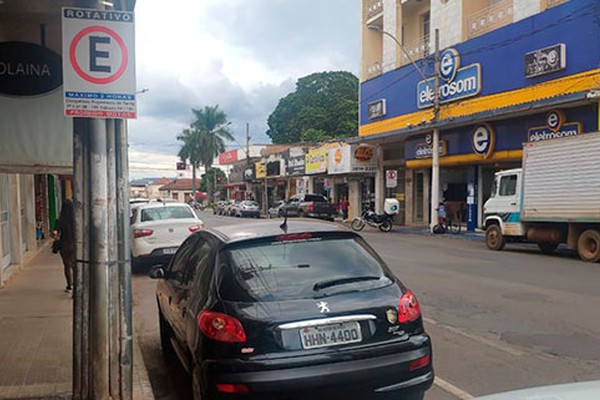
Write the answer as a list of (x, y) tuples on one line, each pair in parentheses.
[(247, 208)]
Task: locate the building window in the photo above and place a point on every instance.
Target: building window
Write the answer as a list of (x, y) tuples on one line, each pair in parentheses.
[(508, 185), (425, 24)]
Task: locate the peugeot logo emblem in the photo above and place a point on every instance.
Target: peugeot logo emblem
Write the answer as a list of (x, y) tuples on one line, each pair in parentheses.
[(323, 307), (170, 230)]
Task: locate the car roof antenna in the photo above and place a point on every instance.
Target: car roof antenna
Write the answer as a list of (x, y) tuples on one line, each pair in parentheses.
[(284, 224)]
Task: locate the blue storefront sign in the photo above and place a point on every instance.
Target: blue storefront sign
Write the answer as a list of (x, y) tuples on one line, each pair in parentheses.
[(456, 83), (555, 128)]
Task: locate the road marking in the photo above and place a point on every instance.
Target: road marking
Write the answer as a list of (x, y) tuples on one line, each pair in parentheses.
[(488, 342), (450, 388)]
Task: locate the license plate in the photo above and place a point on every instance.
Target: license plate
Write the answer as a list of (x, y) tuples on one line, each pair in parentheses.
[(170, 250), (330, 335)]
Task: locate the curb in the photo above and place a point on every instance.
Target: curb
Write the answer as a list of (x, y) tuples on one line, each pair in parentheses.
[(141, 386)]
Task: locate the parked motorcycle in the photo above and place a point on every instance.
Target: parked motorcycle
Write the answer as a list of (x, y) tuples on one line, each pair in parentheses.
[(382, 221)]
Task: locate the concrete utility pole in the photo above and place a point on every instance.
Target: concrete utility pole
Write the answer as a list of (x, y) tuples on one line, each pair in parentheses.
[(102, 331), (435, 158), (435, 161)]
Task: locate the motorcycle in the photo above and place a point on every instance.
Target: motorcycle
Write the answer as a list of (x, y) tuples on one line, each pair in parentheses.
[(368, 217)]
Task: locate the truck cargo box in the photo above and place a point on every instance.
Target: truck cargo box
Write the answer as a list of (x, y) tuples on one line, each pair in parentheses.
[(561, 179)]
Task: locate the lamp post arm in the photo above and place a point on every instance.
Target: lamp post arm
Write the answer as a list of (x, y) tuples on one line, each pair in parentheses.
[(419, 70)]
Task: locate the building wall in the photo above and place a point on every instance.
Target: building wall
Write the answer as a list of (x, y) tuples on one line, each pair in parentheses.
[(525, 8), (19, 236), (390, 24), (444, 17)]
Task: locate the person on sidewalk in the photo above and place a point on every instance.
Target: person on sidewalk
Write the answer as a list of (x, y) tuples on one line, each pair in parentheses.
[(65, 230), (344, 205)]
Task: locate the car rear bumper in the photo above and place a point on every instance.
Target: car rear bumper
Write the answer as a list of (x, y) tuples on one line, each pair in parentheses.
[(380, 377), (246, 213), (326, 216)]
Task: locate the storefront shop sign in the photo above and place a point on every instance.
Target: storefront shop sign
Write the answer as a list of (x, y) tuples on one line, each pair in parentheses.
[(339, 160), (28, 69), (316, 162), (228, 157), (483, 140), (456, 83), (250, 173), (425, 150), (376, 109), (260, 170), (295, 166), (556, 127), (546, 61), (363, 159), (274, 168)]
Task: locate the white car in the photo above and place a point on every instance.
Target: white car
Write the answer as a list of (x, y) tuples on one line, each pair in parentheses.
[(157, 230)]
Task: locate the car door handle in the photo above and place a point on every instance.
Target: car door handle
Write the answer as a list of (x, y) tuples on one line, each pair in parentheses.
[(513, 204), (170, 299)]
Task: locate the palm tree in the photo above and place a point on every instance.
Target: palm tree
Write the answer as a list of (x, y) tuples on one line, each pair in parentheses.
[(204, 140)]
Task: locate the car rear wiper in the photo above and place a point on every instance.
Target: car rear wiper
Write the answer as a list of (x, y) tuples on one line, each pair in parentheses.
[(340, 281)]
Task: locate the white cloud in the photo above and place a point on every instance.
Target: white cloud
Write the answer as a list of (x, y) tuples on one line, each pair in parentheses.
[(241, 54)]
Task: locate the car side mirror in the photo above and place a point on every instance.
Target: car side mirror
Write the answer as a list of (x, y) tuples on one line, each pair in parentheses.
[(157, 272)]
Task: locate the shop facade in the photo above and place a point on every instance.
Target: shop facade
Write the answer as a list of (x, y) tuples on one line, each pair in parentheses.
[(533, 79)]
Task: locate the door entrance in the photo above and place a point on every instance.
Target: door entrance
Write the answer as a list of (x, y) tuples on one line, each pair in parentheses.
[(4, 222)]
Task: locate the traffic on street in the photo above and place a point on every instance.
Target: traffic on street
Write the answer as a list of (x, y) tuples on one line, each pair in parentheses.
[(497, 321)]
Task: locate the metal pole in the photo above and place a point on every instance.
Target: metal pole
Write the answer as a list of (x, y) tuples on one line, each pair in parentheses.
[(125, 328), (80, 284), (113, 271), (435, 163), (99, 285)]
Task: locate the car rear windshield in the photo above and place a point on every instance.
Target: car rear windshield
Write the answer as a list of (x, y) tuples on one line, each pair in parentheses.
[(299, 267), (314, 197), (166, 212)]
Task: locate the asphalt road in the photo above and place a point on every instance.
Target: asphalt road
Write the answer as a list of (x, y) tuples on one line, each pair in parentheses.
[(499, 320)]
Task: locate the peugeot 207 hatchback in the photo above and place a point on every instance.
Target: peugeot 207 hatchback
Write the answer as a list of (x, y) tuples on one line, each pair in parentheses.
[(302, 310)]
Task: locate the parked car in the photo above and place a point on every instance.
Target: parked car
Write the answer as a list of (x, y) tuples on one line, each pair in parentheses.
[(233, 208), (218, 207), (276, 209), (248, 208), (306, 311), (158, 229), (310, 205)]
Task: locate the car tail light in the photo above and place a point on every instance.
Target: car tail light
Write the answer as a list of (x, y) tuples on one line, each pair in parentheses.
[(310, 208), (221, 327), (408, 308), (138, 233), (419, 363), (232, 388), (194, 228), (294, 236)]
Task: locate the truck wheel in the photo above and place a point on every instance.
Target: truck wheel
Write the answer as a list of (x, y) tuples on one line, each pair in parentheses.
[(494, 239), (588, 246), (547, 248)]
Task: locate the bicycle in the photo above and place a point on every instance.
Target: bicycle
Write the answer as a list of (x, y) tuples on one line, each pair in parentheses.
[(452, 222)]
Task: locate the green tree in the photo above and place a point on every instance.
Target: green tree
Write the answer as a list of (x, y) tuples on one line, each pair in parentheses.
[(204, 140), (323, 106), (214, 179)]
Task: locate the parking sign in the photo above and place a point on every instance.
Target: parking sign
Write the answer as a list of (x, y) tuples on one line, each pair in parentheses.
[(98, 63)]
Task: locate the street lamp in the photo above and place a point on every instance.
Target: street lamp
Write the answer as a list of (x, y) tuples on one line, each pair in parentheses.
[(435, 162)]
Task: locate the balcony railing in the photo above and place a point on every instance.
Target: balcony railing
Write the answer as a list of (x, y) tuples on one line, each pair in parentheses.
[(374, 8), (416, 50), (554, 3), (491, 18)]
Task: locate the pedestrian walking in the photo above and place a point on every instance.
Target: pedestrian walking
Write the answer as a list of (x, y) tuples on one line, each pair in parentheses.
[(344, 205), (65, 233)]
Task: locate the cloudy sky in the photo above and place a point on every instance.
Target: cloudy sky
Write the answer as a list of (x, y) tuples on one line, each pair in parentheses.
[(243, 55)]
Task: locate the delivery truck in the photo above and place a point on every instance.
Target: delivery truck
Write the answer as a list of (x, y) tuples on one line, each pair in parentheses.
[(554, 198)]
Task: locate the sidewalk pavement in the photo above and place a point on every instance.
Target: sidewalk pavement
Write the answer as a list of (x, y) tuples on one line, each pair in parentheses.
[(36, 335), (478, 235)]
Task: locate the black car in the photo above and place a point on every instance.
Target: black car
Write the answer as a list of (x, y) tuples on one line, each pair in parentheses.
[(298, 311)]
